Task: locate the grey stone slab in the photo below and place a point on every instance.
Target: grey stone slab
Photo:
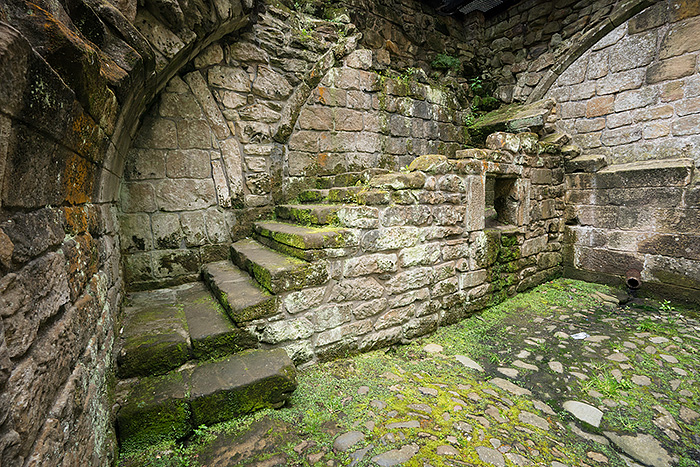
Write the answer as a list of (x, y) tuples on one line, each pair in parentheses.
[(584, 412), (347, 440), (211, 331), (642, 447), (468, 362), (240, 384), (277, 272), (396, 456), (510, 387), (490, 456), (155, 339), (242, 299)]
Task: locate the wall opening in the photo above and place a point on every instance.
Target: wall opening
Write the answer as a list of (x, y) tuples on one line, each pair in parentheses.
[(501, 201)]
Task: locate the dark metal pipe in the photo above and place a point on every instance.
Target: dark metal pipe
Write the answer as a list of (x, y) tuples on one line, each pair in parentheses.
[(634, 279)]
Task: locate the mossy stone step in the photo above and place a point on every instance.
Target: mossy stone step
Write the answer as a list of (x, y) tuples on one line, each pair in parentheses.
[(154, 339), (162, 408), (304, 237), (237, 293), (275, 271), (313, 195), (306, 214), (346, 194), (212, 333)]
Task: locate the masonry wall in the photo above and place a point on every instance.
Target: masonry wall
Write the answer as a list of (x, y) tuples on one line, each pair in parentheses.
[(635, 94), (71, 96), (526, 47), (251, 127), (419, 254), (632, 103)]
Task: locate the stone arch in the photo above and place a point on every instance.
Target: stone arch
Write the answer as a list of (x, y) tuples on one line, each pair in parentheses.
[(590, 37)]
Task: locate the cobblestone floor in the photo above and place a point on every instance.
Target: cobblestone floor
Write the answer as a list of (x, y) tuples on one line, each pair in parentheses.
[(560, 376)]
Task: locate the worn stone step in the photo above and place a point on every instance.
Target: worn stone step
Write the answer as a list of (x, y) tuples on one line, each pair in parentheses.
[(347, 194), (212, 333), (167, 407), (307, 214), (275, 271), (237, 292), (313, 195), (305, 237), (154, 337)]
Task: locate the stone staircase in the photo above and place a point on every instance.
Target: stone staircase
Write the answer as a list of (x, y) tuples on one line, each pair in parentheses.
[(186, 358)]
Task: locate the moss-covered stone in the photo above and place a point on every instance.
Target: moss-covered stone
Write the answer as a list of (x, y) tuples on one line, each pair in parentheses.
[(156, 409)]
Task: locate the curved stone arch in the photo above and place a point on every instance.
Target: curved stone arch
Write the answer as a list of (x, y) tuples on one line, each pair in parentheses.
[(588, 39)]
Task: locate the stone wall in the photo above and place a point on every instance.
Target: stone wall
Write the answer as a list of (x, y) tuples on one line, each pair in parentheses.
[(635, 94), (643, 216), (264, 113), (420, 255), (526, 47), (76, 77)]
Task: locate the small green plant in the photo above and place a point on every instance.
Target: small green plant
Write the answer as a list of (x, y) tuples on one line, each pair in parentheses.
[(646, 325), (446, 62), (476, 85)]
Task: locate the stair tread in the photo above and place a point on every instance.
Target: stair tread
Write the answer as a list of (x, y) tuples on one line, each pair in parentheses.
[(305, 237), (211, 331), (275, 271), (154, 336), (237, 292), (320, 214), (157, 408)]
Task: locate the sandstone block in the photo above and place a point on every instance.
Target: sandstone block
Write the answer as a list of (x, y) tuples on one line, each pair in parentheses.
[(424, 254), (681, 38), (415, 278), (233, 79), (633, 51), (390, 238), (671, 68), (185, 194), (188, 163), (370, 264), (599, 106)]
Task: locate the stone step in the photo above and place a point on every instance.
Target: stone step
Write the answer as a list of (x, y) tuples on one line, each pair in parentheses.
[(313, 195), (304, 237), (168, 407), (167, 327), (237, 292), (307, 214), (275, 271), (212, 333), (154, 337)]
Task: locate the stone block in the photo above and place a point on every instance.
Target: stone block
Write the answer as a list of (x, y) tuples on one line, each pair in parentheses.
[(185, 194), (689, 125), (635, 99), (233, 79), (623, 81), (188, 163), (671, 68), (144, 164), (31, 296), (174, 263), (633, 51), (347, 120), (212, 55), (424, 254), (136, 232), (622, 135), (409, 279), (449, 215), (394, 317), (332, 315), (364, 217), (271, 85), (652, 17), (607, 261), (503, 141), (194, 230), (663, 173), (476, 200), (287, 330), (356, 289), (259, 113), (157, 133), (655, 130), (194, 134), (390, 238), (166, 230), (137, 197), (370, 264), (679, 272), (682, 37), (406, 215), (361, 59), (599, 106), (381, 339), (179, 106)]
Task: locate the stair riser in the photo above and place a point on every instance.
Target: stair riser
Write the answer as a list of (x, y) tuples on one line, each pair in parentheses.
[(308, 216)]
